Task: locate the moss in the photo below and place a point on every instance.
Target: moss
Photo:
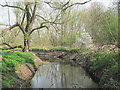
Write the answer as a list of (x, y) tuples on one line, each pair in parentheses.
[(10, 62)]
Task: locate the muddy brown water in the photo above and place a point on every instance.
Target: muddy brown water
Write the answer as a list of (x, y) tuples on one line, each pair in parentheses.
[(62, 75)]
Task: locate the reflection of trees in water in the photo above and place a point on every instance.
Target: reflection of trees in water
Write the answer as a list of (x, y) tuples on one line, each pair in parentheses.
[(56, 75), (53, 73)]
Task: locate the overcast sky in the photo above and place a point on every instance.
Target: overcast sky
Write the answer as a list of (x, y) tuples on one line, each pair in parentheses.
[(4, 15)]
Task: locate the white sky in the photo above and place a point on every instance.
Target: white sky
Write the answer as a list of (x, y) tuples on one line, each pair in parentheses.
[(4, 11)]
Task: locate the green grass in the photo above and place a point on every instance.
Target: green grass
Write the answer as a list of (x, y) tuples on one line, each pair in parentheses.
[(86, 51), (12, 59), (104, 65), (10, 62), (57, 48), (9, 80), (107, 63)]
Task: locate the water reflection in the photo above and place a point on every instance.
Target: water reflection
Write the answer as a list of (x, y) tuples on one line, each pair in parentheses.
[(61, 75)]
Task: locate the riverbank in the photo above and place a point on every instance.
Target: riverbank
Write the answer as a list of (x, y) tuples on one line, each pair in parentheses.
[(18, 68), (102, 65)]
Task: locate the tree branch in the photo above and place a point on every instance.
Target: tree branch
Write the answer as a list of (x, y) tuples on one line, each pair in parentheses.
[(33, 13), (38, 28), (6, 44), (12, 7), (21, 29), (50, 4), (10, 47), (47, 21), (76, 4), (9, 28), (63, 7), (66, 3), (23, 19)]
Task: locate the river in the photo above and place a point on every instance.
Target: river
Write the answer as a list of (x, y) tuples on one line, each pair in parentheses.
[(62, 75)]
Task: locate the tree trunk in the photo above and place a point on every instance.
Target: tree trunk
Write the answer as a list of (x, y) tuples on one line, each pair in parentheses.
[(26, 44)]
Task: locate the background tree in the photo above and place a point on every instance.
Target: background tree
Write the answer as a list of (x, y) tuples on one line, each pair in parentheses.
[(29, 12), (101, 24)]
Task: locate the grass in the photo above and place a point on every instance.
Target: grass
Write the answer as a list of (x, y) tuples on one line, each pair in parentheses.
[(9, 80), (104, 65), (107, 64), (57, 48), (10, 62)]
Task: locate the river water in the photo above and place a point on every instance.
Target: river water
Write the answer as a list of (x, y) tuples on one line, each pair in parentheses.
[(62, 75)]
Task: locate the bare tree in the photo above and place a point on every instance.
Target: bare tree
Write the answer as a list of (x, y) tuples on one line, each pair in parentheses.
[(30, 14)]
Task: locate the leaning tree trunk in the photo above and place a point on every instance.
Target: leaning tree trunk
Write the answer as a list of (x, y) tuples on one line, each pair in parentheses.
[(26, 47)]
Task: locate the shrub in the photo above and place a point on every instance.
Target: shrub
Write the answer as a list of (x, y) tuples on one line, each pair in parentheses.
[(108, 64)]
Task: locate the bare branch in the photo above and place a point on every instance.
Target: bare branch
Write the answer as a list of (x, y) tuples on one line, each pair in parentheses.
[(47, 21), (66, 3), (64, 7), (10, 47), (76, 4), (9, 28), (38, 28), (12, 7), (50, 4), (42, 17), (33, 13), (21, 28), (23, 19), (6, 44)]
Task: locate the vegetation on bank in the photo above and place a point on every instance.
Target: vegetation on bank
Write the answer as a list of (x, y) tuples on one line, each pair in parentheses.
[(105, 67), (10, 63)]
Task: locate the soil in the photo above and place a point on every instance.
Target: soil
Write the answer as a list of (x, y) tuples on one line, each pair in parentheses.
[(26, 71)]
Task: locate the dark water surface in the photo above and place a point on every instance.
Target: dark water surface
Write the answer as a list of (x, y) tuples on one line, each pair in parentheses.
[(61, 75)]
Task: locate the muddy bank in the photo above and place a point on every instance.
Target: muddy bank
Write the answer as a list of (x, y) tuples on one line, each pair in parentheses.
[(51, 55), (64, 55), (18, 68), (26, 72)]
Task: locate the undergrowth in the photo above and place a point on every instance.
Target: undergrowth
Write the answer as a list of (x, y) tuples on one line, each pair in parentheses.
[(107, 64), (10, 62)]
